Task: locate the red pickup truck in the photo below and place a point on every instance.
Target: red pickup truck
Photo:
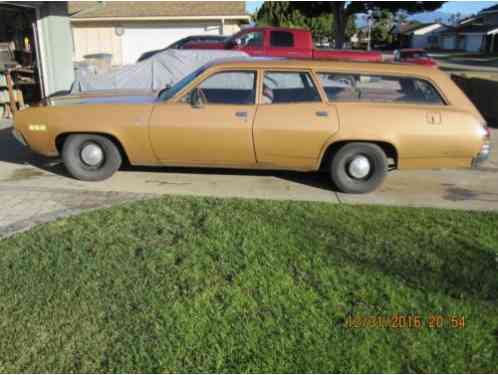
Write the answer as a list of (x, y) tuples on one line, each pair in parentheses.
[(283, 42)]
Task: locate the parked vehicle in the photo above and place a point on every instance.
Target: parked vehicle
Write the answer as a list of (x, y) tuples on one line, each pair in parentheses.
[(180, 44), (284, 42), (414, 56), (357, 121)]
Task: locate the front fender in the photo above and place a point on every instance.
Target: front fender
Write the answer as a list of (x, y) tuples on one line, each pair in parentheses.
[(126, 123)]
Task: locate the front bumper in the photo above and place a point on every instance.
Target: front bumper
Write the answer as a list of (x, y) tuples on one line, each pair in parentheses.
[(482, 156), (19, 137)]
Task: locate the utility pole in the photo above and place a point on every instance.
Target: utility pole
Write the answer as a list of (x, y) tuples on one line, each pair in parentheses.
[(370, 22)]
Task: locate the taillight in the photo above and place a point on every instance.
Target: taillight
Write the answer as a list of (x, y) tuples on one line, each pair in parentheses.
[(485, 132)]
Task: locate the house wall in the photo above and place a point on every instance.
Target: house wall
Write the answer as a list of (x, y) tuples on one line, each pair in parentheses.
[(94, 37), (448, 42), (419, 41), (473, 43), (231, 27), (101, 37), (490, 19), (427, 37)]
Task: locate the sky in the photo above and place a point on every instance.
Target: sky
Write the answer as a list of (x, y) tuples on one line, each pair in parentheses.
[(464, 7)]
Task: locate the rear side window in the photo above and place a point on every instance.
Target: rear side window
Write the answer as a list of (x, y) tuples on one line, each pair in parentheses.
[(281, 39), (378, 89), (232, 87), (289, 87)]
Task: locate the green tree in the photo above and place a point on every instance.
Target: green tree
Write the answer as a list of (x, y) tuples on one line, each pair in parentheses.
[(282, 13), (382, 27), (343, 10)]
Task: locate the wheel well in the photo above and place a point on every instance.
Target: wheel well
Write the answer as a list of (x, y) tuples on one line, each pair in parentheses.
[(388, 148), (61, 138)]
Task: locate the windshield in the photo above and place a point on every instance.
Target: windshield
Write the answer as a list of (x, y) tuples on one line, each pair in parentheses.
[(168, 93)]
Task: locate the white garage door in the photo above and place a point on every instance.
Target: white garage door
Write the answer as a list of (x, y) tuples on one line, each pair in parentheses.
[(473, 43), (139, 39)]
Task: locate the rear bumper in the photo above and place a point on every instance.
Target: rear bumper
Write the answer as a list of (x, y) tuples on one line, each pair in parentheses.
[(482, 156)]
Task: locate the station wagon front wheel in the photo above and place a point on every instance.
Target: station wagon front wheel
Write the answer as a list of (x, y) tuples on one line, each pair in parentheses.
[(90, 157), (358, 168)]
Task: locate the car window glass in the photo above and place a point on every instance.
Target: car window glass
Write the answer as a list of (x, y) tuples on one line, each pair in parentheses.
[(252, 39), (169, 92), (289, 87), (229, 88), (281, 39), (339, 87), (374, 88)]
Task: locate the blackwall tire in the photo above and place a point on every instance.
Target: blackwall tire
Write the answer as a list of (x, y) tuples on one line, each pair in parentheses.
[(90, 157), (358, 168)]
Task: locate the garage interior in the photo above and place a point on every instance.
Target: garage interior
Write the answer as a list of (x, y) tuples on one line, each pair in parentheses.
[(20, 81)]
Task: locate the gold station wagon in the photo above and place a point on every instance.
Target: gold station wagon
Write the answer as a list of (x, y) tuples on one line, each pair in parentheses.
[(356, 120)]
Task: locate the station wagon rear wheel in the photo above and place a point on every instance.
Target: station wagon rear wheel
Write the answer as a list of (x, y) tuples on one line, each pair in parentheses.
[(358, 168), (90, 157)]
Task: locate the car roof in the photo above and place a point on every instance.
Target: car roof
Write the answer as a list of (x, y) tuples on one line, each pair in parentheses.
[(206, 36), (274, 28), (327, 65)]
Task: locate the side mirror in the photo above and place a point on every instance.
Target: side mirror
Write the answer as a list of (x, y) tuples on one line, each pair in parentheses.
[(196, 98)]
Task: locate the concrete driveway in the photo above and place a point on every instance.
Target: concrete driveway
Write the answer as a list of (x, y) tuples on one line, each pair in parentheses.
[(36, 190)]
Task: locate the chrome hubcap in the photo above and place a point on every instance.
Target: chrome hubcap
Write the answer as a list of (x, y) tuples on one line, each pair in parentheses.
[(92, 154), (359, 167)]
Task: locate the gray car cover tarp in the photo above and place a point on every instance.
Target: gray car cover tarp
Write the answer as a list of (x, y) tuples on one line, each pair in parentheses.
[(155, 73)]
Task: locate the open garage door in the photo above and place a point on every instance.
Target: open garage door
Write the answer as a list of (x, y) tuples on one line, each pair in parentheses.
[(20, 78), (139, 39)]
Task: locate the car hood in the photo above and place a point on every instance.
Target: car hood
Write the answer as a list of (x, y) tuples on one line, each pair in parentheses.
[(103, 97)]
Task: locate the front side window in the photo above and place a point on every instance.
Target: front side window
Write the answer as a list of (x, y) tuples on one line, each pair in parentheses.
[(289, 87), (281, 39), (170, 91), (234, 87), (376, 88)]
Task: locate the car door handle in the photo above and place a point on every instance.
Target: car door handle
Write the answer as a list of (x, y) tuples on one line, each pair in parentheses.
[(241, 114), (322, 114), (433, 118)]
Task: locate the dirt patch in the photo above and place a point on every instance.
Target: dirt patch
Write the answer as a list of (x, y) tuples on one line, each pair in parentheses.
[(456, 194)]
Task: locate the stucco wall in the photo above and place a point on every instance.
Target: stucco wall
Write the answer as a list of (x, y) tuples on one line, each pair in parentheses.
[(96, 38), (100, 37), (231, 27)]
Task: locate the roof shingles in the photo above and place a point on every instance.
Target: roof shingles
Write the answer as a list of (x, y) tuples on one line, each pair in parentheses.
[(138, 9)]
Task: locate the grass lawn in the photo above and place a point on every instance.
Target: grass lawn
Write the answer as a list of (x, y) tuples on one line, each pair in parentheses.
[(202, 285)]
